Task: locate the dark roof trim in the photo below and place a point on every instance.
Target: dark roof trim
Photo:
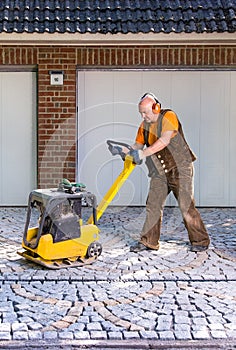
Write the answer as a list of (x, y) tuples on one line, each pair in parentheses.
[(18, 68)]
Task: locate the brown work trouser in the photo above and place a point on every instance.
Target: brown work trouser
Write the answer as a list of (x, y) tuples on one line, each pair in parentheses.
[(180, 182)]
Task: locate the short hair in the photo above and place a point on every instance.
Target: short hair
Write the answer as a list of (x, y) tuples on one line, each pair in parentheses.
[(151, 95)]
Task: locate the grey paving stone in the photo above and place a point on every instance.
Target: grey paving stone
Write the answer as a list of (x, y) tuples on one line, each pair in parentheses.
[(218, 334), (5, 327), (147, 324), (166, 335), (230, 318), (182, 328), (131, 335), (50, 335), (109, 326), (98, 335), (115, 335), (17, 326), (201, 334), (231, 326), (199, 321), (182, 319), (216, 326), (77, 327), (82, 335), (66, 335), (20, 335), (83, 319), (25, 319), (5, 335), (34, 326), (35, 335), (183, 335), (214, 319), (94, 326), (148, 335), (212, 312), (164, 324)]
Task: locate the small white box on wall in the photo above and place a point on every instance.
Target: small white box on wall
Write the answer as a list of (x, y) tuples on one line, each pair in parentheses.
[(56, 77)]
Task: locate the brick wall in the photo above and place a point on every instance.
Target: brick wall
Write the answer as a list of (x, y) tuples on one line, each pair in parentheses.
[(56, 116), (157, 56), (57, 104)]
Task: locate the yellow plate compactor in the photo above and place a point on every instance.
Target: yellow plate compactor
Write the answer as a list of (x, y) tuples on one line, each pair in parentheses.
[(61, 238)]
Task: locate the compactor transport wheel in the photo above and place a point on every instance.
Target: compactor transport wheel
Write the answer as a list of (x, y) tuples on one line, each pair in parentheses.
[(94, 250)]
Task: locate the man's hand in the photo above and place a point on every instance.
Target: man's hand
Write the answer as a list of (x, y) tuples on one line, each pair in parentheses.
[(137, 155), (115, 150)]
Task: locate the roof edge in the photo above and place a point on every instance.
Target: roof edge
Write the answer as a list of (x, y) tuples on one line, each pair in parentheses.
[(88, 39)]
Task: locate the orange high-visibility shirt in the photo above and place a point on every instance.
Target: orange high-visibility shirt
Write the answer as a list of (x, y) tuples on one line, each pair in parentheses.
[(169, 123)]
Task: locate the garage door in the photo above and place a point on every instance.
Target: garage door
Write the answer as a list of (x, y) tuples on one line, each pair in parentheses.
[(18, 136), (203, 100)]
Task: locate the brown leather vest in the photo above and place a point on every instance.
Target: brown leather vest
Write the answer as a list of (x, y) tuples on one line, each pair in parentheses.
[(176, 154)]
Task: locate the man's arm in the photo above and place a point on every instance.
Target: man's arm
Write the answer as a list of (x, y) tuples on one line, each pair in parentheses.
[(136, 145), (157, 146)]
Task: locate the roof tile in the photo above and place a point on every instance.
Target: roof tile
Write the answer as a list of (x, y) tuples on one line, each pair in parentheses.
[(117, 16)]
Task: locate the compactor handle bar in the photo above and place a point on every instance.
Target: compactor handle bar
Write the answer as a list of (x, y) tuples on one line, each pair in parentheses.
[(116, 143), (114, 189)]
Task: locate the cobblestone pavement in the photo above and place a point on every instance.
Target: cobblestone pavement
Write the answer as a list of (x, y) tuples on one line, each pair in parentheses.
[(170, 296)]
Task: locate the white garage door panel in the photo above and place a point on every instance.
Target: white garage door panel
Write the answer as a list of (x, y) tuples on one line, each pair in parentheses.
[(202, 100), (18, 137), (214, 174), (112, 114), (159, 83), (232, 141), (185, 101)]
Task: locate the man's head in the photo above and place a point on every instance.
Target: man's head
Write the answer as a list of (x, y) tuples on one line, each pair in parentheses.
[(149, 107)]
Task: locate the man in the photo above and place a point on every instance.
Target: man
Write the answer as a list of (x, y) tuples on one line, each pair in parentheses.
[(160, 140)]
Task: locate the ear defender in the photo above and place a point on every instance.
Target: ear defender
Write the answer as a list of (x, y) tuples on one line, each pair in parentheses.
[(156, 108)]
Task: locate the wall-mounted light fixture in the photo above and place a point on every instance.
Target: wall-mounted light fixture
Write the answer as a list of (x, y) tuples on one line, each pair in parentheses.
[(56, 77)]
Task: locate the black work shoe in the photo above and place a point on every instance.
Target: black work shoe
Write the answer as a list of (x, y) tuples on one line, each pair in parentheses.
[(198, 248), (138, 247)]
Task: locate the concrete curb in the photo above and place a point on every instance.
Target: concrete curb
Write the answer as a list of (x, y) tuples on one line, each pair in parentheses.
[(123, 344)]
